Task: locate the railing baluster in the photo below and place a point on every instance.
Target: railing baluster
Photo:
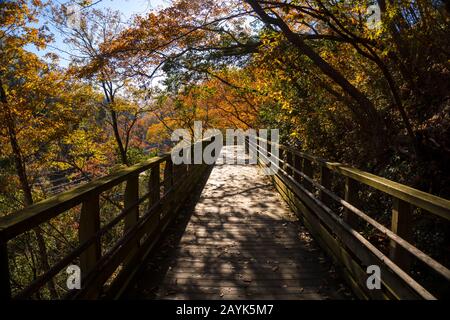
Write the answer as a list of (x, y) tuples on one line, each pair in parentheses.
[(401, 224), (89, 226), (298, 165), (325, 181), (5, 286), (168, 175), (289, 160), (351, 196), (282, 157), (154, 185), (130, 198), (308, 170), (154, 189)]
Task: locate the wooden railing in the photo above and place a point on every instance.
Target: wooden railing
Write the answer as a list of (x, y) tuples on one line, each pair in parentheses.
[(166, 192), (309, 193), (306, 182)]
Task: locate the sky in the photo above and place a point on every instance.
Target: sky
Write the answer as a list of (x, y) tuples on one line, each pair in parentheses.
[(128, 8)]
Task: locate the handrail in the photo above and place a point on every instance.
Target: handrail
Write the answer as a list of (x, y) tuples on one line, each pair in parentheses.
[(295, 179), (433, 204), (140, 233), (422, 291), (445, 272), (28, 218)]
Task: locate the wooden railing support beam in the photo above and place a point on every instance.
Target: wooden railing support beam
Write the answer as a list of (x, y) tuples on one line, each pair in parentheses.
[(168, 175), (154, 185), (401, 224), (290, 162), (131, 197), (308, 170), (351, 196), (325, 181), (89, 226), (298, 165)]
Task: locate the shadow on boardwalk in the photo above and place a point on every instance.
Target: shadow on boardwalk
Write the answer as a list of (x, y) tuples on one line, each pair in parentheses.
[(237, 240)]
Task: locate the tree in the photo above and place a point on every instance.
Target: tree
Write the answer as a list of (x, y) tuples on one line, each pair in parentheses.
[(37, 102), (98, 28)]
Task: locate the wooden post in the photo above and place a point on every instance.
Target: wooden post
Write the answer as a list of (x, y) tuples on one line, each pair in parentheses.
[(5, 286), (298, 166), (290, 162), (308, 170), (89, 226), (283, 158), (130, 198), (351, 196), (401, 224), (168, 175), (154, 185), (325, 181), (178, 170)]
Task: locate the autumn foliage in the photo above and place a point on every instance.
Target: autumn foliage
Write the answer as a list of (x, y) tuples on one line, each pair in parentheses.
[(337, 81)]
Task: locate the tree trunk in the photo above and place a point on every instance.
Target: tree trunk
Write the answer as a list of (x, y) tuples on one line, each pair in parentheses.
[(24, 185), (122, 151), (109, 95), (365, 112)]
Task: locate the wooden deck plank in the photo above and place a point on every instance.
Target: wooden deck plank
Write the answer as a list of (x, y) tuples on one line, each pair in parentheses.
[(240, 242)]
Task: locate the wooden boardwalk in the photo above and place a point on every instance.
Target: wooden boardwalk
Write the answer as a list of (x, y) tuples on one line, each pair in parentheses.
[(241, 241), (223, 232)]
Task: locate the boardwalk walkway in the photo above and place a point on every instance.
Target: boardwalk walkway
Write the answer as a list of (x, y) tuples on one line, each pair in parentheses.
[(241, 241)]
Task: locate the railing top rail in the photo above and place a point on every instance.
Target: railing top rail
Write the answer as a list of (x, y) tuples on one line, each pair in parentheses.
[(433, 204), (30, 217)]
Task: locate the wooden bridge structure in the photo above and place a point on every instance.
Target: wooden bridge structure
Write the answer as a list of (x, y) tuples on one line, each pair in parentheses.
[(227, 231)]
